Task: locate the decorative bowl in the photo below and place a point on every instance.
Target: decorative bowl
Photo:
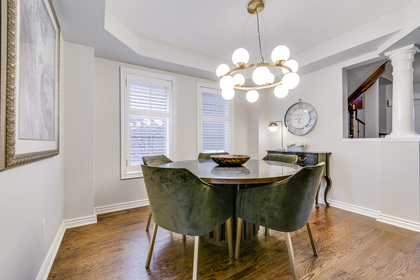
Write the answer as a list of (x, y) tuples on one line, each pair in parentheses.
[(230, 160)]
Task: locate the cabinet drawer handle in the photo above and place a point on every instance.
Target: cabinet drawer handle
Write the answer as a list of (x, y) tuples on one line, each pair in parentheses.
[(302, 159)]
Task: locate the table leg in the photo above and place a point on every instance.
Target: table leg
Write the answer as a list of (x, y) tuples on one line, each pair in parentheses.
[(219, 235), (327, 188), (316, 198)]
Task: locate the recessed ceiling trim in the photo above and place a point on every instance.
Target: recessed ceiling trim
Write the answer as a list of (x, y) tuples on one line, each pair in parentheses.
[(153, 49)]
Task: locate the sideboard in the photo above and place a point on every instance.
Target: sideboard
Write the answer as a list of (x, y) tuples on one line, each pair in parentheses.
[(311, 158)]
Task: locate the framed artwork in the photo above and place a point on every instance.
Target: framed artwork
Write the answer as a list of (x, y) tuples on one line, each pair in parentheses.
[(30, 71)]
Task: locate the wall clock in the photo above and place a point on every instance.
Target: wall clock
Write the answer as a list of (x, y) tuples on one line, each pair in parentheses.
[(300, 118)]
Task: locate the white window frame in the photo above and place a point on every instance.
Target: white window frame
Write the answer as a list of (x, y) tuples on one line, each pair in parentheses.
[(128, 172), (212, 88)]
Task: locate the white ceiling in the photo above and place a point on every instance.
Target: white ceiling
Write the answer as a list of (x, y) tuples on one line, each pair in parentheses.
[(205, 31)]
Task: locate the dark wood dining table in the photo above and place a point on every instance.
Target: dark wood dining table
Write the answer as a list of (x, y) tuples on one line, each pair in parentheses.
[(251, 173), (254, 171)]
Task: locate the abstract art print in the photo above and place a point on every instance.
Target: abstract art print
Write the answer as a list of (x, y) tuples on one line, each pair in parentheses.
[(32, 81)]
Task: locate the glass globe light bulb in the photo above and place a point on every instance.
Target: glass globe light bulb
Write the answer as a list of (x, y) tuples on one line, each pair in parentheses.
[(228, 94), (281, 91), (221, 70), (239, 79), (252, 96), (227, 82), (270, 78), (291, 80), (292, 64), (280, 53), (259, 76), (273, 127), (240, 57)]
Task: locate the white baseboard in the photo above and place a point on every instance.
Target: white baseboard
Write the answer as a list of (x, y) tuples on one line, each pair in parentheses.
[(82, 221), (415, 226), (70, 223), (121, 206), (355, 209), (395, 221), (52, 252)]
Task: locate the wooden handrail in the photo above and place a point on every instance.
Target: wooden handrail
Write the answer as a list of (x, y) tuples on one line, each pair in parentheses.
[(366, 85)]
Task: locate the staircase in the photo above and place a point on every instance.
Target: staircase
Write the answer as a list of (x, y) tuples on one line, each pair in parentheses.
[(355, 102)]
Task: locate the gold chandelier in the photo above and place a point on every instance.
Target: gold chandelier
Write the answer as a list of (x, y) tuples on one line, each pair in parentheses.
[(261, 75)]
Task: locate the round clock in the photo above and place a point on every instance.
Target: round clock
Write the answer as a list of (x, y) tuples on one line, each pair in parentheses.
[(300, 118)]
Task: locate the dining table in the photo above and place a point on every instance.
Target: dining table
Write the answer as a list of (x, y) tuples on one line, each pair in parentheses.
[(252, 173)]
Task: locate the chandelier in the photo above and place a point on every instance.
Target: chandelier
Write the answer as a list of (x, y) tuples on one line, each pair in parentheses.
[(262, 75)]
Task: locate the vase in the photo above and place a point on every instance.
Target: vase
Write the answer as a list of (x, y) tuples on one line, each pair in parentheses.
[(294, 148)]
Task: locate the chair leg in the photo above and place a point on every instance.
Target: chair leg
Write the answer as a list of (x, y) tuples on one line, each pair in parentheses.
[(267, 231), (312, 240), (184, 237), (229, 237), (238, 238), (291, 255), (196, 239), (152, 244), (148, 220)]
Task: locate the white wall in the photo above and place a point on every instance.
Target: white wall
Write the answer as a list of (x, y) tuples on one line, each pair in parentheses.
[(383, 108), (78, 133), (376, 177), (28, 194), (243, 135), (416, 91), (388, 93), (109, 188), (371, 106)]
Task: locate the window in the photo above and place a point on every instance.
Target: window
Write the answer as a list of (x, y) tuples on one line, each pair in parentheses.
[(215, 123), (145, 119)]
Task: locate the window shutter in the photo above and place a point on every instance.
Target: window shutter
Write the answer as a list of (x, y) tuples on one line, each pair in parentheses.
[(149, 103), (215, 122)]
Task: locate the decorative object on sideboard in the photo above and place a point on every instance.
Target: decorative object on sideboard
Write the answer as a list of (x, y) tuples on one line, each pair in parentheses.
[(300, 118), (295, 146), (263, 78)]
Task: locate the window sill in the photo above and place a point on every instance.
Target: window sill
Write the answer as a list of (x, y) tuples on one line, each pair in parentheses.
[(132, 175)]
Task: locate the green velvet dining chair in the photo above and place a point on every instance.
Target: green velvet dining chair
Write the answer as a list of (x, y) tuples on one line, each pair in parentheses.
[(283, 206), (207, 155), (183, 203), (282, 158), (155, 161)]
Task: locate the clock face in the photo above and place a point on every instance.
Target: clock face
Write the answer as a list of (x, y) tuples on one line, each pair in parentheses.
[(300, 118)]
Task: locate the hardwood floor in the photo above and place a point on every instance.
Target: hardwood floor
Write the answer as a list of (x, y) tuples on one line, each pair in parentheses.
[(350, 246)]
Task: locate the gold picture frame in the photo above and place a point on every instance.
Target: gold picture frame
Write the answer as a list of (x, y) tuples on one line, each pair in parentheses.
[(30, 66)]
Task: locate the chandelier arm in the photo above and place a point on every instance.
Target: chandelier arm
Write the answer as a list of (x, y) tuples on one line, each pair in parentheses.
[(259, 87), (278, 64)]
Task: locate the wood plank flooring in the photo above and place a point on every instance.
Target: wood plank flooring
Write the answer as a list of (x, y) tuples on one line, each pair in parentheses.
[(350, 246)]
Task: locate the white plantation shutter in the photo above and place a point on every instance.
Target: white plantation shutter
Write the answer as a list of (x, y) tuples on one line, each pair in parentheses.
[(147, 120), (215, 121)]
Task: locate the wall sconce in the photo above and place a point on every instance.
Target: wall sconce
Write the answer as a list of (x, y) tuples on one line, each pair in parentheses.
[(273, 127)]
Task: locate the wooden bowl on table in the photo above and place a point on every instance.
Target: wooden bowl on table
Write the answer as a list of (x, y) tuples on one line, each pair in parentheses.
[(230, 160)]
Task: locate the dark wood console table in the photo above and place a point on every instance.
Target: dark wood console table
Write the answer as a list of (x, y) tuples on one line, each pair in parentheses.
[(312, 158)]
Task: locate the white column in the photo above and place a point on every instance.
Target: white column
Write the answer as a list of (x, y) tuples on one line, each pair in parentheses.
[(402, 92)]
